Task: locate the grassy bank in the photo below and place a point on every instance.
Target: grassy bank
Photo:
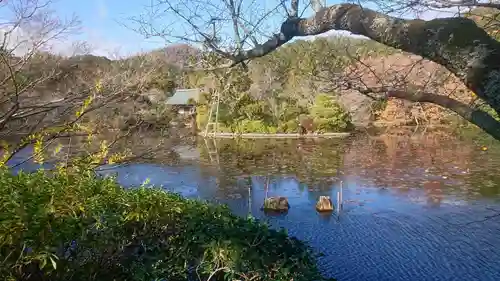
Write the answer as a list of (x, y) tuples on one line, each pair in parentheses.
[(66, 226)]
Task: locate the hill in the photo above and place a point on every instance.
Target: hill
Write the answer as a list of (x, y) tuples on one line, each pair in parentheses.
[(290, 78)]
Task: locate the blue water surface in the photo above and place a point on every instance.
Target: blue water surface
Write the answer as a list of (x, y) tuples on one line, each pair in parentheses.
[(392, 225)]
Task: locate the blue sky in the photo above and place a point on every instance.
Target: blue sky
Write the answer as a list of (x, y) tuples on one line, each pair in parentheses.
[(102, 24)]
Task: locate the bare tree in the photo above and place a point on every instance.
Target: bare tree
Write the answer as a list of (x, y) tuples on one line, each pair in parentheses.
[(455, 42), (45, 96)]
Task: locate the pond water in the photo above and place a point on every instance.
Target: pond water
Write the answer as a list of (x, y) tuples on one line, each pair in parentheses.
[(421, 208)]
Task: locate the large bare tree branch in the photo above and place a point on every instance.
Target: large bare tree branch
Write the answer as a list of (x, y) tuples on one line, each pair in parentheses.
[(473, 115), (460, 3), (456, 43)]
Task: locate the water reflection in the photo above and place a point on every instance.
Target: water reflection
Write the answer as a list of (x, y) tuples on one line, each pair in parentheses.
[(414, 209)]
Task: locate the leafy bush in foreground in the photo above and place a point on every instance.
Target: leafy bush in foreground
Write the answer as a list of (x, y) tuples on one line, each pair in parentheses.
[(65, 226)]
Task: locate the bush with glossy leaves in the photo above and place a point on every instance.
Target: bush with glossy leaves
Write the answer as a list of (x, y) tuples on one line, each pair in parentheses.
[(75, 226)]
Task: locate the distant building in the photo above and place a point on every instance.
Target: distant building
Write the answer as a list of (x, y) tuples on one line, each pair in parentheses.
[(184, 101)]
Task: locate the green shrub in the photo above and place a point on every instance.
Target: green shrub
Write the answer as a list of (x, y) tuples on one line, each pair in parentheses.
[(202, 116), (329, 116), (291, 126), (254, 110), (253, 126), (64, 226), (292, 111)]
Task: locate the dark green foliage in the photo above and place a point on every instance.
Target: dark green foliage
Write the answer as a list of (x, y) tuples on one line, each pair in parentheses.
[(291, 126), (64, 226), (329, 115), (249, 115), (253, 126), (285, 85)]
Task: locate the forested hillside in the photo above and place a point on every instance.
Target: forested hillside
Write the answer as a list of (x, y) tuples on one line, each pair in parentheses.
[(325, 79)]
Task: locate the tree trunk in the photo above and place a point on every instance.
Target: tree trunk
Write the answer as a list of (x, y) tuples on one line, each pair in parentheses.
[(458, 44)]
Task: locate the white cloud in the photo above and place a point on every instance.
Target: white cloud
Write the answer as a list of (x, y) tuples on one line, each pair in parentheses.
[(332, 33), (23, 40), (440, 13), (15, 40)]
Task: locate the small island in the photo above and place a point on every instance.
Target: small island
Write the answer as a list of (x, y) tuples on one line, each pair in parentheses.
[(289, 118)]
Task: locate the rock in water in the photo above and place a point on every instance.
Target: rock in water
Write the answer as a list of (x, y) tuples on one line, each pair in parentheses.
[(324, 204), (276, 204)]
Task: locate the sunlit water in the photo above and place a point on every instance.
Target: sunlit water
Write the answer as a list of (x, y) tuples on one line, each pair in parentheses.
[(414, 209)]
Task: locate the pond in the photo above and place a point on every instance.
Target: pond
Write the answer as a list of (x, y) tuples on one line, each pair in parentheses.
[(414, 208)]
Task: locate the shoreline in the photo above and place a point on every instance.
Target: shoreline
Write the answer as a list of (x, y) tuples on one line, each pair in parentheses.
[(275, 136)]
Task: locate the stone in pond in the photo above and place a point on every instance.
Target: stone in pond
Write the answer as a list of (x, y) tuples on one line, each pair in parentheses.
[(324, 204), (276, 204)]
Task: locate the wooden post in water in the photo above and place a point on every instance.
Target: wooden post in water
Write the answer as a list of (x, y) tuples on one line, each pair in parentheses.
[(338, 202), (267, 186), (250, 198), (341, 195)]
